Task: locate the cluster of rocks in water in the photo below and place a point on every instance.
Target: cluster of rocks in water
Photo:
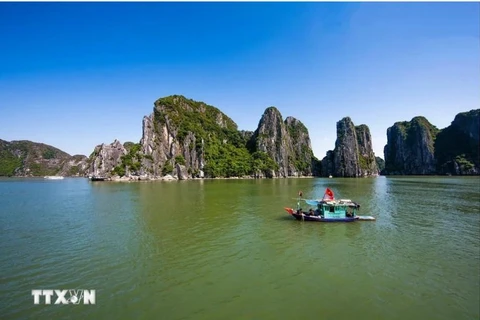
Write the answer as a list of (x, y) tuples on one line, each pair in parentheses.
[(286, 142), (177, 137), (164, 141), (413, 147)]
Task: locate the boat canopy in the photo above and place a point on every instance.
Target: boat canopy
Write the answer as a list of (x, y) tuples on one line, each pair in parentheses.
[(329, 199)]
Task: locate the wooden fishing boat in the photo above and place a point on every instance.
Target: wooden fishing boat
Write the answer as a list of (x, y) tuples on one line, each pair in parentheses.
[(329, 210)]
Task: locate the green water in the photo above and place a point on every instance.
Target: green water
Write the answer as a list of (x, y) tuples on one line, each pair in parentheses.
[(226, 249)]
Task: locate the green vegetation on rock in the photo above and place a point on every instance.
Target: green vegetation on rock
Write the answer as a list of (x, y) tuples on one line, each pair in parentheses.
[(459, 143), (296, 130), (38, 169), (27, 158), (187, 115), (131, 161), (262, 162), (380, 163), (226, 160), (224, 147), (167, 169), (180, 160), (129, 145), (410, 129), (410, 147), (301, 154), (418, 147), (362, 162), (74, 171), (49, 154), (8, 163)]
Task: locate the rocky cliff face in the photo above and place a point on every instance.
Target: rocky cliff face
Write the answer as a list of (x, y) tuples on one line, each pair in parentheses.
[(27, 158), (345, 157), (272, 138), (380, 164), (182, 132), (76, 165), (366, 157), (177, 139), (410, 148), (286, 142), (316, 167), (187, 138), (302, 160), (457, 146), (105, 158), (328, 164), (246, 135), (353, 154)]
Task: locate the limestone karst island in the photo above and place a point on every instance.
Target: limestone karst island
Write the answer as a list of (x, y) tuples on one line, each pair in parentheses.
[(185, 139)]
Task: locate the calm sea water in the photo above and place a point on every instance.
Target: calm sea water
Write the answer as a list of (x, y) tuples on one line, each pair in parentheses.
[(226, 249)]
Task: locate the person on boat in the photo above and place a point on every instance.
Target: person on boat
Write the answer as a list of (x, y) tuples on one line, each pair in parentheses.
[(349, 213), (310, 212)]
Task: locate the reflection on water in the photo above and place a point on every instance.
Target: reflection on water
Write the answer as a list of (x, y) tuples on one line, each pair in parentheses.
[(218, 249)]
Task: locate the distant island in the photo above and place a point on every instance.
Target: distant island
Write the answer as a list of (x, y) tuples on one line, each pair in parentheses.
[(184, 139), (32, 159)]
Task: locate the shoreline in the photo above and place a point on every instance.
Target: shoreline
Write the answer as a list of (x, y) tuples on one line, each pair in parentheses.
[(171, 178)]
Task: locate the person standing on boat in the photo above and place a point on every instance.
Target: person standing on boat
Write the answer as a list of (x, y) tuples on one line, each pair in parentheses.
[(349, 212), (300, 195)]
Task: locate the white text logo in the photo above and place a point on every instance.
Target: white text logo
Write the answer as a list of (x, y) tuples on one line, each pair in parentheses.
[(72, 296)]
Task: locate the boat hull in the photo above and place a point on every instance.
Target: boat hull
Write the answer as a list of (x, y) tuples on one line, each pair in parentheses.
[(305, 217)]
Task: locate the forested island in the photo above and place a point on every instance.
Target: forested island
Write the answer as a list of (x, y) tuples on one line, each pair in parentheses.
[(184, 139)]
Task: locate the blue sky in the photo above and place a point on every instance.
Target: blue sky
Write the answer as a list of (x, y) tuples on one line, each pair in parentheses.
[(75, 75)]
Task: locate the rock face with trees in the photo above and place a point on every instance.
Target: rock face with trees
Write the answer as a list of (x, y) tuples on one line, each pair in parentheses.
[(410, 147), (190, 139), (106, 157), (287, 143), (30, 159), (183, 139), (457, 146), (353, 155), (417, 147)]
